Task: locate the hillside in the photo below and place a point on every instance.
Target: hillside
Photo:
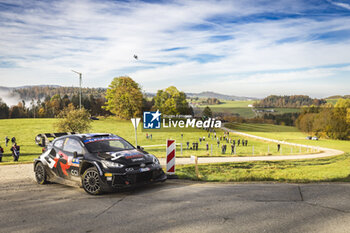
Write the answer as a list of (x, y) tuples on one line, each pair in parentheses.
[(42, 91), (293, 101), (209, 94)]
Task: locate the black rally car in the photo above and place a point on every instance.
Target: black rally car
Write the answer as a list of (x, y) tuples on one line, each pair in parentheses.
[(101, 162)]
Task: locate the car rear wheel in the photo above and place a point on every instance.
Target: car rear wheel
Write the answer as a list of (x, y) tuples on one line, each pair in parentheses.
[(91, 181), (40, 173)]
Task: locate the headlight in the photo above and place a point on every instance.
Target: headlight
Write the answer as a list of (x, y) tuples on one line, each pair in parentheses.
[(155, 160), (108, 164)]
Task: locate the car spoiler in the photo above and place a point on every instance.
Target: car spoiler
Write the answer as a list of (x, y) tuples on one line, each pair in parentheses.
[(45, 138)]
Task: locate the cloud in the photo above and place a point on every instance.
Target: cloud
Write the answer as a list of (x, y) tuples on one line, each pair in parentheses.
[(341, 4), (189, 44)]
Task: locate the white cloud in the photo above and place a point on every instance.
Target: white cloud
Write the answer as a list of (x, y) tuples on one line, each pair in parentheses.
[(47, 40), (341, 4)]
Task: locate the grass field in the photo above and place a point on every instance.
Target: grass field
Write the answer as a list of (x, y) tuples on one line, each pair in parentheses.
[(241, 108), (234, 107), (26, 129), (326, 169), (332, 101)]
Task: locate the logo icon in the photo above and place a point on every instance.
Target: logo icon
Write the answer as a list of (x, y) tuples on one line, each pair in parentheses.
[(151, 120)]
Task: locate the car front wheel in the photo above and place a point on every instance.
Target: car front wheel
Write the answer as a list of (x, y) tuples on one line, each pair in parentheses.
[(91, 181), (40, 173)]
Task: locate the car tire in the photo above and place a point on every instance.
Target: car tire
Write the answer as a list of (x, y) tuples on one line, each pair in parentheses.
[(91, 181), (40, 173)]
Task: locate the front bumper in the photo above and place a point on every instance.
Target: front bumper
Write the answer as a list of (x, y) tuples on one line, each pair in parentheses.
[(136, 177)]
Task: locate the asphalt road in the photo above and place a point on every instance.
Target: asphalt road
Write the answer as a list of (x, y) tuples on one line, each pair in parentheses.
[(173, 206)]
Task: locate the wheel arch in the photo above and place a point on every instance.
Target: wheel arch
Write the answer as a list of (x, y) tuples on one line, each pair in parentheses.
[(87, 164)]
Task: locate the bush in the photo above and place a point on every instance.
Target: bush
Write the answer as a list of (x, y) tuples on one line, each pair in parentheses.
[(73, 120)]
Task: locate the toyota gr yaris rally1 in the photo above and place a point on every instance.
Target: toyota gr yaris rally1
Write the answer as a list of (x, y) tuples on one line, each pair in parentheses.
[(101, 162)]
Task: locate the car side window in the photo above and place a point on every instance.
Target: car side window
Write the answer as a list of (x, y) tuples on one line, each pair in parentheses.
[(72, 145), (59, 143)]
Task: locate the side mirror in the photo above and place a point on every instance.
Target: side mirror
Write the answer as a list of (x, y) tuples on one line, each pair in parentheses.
[(140, 148), (75, 154)]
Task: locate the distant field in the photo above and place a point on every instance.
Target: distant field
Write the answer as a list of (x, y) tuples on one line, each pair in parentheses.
[(332, 101), (26, 129), (284, 110), (234, 107), (288, 134), (241, 108)]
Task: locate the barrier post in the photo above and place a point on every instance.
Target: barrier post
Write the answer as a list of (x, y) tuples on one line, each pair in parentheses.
[(170, 158), (196, 162)]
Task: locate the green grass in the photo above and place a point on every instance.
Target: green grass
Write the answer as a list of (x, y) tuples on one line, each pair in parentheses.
[(288, 134), (316, 170), (325, 169), (241, 108), (332, 101), (233, 107), (26, 129)]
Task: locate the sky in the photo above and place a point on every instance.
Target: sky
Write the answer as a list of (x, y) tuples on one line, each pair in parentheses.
[(239, 47)]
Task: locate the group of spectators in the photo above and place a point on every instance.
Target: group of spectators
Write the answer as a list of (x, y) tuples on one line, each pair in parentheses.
[(15, 149), (225, 139)]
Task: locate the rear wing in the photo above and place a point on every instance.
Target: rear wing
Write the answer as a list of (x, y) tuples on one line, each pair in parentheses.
[(44, 139)]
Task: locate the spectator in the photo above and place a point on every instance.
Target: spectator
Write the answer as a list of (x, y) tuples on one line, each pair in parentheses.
[(6, 140), (15, 152), (238, 142), (246, 142), (188, 145), (207, 146), (278, 147), (13, 140), (232, 149), (1, 153)]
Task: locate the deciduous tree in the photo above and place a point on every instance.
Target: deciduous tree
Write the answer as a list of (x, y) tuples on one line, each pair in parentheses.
[(124, 98)]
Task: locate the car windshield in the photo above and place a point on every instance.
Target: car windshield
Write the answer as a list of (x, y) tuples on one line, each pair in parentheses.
[(106, 144)]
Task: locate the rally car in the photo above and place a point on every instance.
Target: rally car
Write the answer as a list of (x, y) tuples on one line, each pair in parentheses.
[(99, 162)]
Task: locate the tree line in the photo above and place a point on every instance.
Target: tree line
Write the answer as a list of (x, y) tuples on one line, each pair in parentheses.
[(293, 101), (123, 98), (51, 106), (41, 92), (126, 100), (327, 120)]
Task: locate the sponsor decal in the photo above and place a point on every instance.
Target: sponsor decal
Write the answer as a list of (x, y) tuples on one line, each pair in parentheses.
[(75, 161), (58, 160), (138, 159), (127, 155), (101, 139), (74, 172), (146, 169)]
